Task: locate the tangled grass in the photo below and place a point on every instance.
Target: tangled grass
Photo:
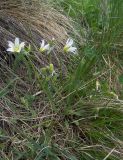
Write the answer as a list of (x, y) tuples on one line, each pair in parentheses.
[(69, 117)]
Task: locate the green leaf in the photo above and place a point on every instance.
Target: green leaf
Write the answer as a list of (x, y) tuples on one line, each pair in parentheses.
[(121, 79), (6, 90)]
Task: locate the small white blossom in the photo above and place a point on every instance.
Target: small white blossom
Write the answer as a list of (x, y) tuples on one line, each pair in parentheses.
[(16, 46), (69, 46), (44, 47)]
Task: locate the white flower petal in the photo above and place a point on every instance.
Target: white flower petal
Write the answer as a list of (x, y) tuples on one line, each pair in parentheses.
[(10, 50), (10, 44), (69, 42), (42, 44), (53, 73), (16, 41), (47, 47), (72, 49), (22, 44)]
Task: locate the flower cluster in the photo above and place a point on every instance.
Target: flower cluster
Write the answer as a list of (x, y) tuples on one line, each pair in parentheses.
[(18, 47)]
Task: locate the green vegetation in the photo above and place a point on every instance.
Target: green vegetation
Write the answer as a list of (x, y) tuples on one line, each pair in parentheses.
[(75, 114)]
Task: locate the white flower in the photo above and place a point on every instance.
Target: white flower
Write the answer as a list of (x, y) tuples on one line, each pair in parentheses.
[(69, 46), (16, 46), (44, 47)]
